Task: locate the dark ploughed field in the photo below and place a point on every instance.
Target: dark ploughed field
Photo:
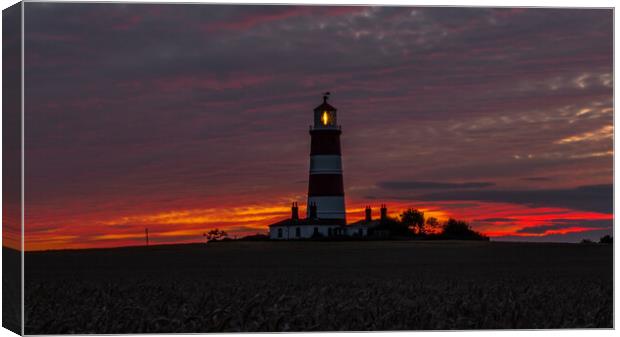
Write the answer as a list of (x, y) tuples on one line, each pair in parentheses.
[(313, 286)]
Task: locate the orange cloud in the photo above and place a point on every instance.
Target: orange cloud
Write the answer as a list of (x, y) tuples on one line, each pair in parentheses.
[(188, 225)]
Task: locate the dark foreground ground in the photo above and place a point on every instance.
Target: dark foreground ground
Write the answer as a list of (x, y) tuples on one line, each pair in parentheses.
[(11, 289), (328, 286)]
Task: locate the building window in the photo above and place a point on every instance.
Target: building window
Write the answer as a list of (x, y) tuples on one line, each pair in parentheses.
[(297, 232), (279, 232)]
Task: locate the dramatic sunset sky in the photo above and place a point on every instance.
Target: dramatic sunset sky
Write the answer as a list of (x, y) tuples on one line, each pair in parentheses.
[(182, 118)]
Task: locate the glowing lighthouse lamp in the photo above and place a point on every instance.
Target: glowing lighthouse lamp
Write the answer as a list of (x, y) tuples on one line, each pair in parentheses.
[(325, 118)]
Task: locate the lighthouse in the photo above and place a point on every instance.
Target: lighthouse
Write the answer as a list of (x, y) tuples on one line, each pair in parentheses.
[(325, 185), (325, 215)]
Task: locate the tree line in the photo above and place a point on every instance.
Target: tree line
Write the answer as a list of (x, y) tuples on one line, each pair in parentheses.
[(413, 223)]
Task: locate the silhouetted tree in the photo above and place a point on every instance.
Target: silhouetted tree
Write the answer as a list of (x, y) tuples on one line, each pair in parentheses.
[(586, 241), (606, 239), (460, 230), (432, 223), (414, 219), (215, 234), (393, 226)]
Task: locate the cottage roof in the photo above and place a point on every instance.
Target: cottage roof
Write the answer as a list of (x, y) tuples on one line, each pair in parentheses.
[(364, 224), (307, 222)]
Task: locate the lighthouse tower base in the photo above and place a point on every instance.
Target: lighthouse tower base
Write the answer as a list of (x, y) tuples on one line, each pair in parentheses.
[(329, 208)]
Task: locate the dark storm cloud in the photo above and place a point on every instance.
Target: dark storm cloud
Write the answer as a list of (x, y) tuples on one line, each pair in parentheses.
[(596, 198), (558, 163), (537, 179), (593, 235), (426, 185), (560, 224)]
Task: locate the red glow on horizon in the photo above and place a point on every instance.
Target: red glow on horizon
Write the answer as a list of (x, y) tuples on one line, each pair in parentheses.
[(188, 225)]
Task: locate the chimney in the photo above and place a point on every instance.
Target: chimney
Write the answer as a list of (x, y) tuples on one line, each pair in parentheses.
[(312, 212), (295, 212), (383, 212), (368, 213)]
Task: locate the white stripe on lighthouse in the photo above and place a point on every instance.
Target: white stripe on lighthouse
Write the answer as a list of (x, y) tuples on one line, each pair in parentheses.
[(331, 207), (325, 164)]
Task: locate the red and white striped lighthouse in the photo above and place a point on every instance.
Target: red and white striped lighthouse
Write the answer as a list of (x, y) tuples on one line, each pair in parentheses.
[(325, 187)]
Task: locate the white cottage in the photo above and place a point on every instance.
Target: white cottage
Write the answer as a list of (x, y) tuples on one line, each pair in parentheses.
[(312, 227)]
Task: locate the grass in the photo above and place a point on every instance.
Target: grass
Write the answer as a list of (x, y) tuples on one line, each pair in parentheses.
[(320, 286)]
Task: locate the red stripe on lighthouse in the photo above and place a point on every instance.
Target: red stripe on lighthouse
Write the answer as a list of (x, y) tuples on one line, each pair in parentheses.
[(325, 142), (325, 185)]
